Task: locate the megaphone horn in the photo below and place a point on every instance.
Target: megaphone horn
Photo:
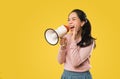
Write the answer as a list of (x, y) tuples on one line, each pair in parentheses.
[(52, 36)]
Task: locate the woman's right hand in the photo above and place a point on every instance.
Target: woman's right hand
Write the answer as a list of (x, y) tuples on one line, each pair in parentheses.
[(63, 42)]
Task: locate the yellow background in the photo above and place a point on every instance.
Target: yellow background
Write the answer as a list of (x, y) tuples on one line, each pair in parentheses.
[(24, 53)]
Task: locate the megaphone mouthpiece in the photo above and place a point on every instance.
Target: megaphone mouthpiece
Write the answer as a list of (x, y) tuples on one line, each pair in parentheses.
[(67, 27)]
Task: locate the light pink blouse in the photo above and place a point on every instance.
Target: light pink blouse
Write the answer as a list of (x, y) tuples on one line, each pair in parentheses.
[(74, 57)]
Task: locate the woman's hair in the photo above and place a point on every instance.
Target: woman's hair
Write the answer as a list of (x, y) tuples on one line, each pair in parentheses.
[(87, 39)]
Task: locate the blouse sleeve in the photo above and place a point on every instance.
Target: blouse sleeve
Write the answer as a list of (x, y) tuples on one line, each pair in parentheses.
[(61, 55)]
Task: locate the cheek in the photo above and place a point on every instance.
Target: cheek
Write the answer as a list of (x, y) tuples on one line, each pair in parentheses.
[(78, 23)]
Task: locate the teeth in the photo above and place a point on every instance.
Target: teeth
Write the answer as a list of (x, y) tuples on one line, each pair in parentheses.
[(72, 26)]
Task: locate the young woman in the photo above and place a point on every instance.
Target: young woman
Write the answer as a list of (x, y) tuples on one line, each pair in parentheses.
[(76, 47)]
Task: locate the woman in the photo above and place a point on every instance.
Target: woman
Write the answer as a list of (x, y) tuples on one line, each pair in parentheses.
[(76, 47)]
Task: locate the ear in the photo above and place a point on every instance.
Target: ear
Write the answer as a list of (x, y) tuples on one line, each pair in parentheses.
[(83, 22)]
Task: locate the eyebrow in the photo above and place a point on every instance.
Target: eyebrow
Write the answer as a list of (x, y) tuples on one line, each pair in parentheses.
[(72, 17)]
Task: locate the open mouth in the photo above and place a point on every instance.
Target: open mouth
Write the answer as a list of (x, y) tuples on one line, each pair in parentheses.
[(72, 27)]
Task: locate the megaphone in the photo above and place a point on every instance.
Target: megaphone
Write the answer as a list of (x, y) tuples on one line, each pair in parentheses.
[(52, 36)]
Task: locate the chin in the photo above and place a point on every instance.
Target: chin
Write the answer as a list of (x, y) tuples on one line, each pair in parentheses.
[(71, 30)]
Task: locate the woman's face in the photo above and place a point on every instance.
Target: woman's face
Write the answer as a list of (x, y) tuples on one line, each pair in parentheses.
[(74, 21)]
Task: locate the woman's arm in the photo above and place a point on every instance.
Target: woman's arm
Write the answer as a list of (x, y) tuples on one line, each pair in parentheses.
[(62, 55), (62, 50), (79, 55)]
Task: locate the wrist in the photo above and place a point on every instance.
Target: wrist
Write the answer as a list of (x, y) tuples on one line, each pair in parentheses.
[(63, 46)]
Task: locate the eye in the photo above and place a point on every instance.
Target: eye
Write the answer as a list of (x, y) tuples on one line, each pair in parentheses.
[(73, 19)]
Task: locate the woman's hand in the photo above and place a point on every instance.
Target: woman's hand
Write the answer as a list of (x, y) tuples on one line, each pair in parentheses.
[(75, 32), (63, 42)]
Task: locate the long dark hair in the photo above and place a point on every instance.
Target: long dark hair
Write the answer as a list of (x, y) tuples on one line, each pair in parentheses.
[(87, 38)]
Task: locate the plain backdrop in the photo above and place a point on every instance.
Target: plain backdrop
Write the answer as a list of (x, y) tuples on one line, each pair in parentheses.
[(24, 52)]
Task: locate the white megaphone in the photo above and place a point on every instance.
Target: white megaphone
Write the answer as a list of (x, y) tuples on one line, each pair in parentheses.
[(52, 36)]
